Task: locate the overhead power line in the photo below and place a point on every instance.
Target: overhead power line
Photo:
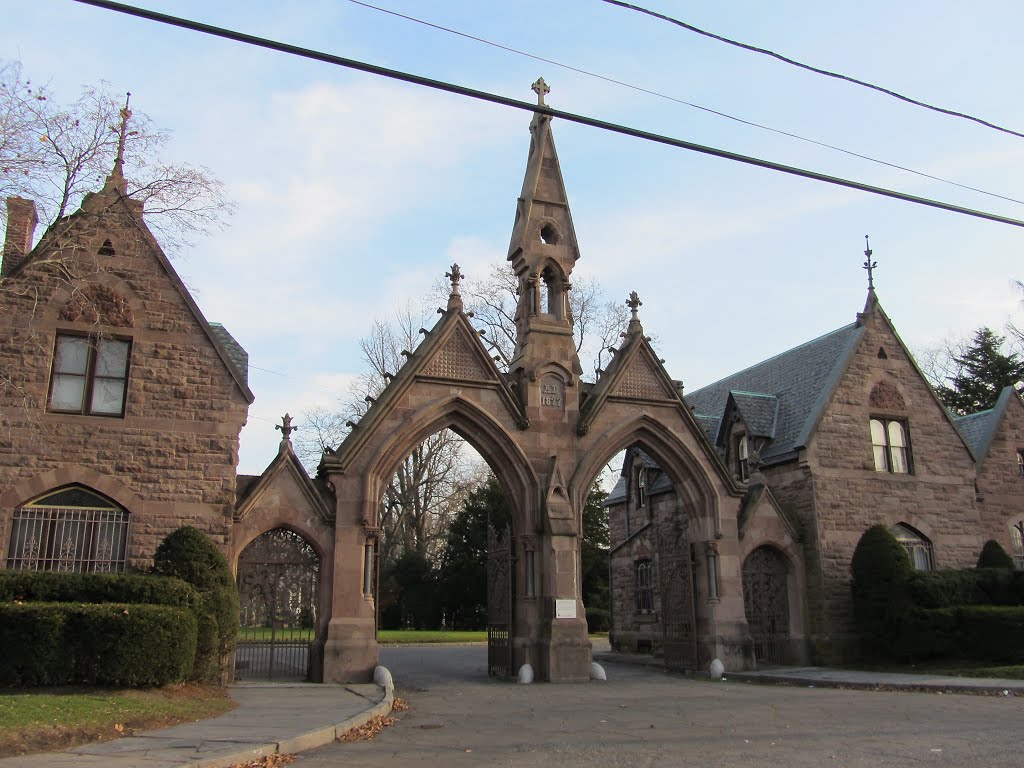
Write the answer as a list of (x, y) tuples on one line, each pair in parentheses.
[(809, 68), (526, 106), (641, 89)]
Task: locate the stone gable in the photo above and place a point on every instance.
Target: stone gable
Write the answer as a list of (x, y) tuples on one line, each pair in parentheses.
[(100, 275)]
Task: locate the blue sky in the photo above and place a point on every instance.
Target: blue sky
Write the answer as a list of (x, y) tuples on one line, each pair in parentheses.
[(355, 193)]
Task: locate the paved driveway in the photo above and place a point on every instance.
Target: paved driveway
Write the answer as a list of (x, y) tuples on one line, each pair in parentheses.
[(643, 717)]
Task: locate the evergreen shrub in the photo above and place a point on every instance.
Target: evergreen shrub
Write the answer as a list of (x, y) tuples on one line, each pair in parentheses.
[(189, 554), (994, 556), (881, 570), (127, 644)]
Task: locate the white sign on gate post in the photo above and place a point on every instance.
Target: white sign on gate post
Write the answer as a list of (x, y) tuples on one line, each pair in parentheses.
[(565, 609)]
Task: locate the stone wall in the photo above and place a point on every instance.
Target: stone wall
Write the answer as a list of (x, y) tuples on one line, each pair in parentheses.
[(936, 497), (1000, 481), (170, 460)]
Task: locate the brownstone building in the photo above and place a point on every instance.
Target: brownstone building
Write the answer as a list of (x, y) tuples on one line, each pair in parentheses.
[(120, 405), (829, 438)]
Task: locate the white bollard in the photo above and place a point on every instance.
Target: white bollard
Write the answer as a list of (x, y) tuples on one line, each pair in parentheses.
[(525, 674), (597, 671), (717, 669)]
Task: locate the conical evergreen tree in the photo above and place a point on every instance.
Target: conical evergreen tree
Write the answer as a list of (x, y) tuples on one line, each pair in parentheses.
[(984, 370)]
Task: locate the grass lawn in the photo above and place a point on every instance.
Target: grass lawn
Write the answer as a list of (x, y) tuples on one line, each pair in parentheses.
[(950, 668), (281, 634), (399, 636), (429, 636), (48, 720)]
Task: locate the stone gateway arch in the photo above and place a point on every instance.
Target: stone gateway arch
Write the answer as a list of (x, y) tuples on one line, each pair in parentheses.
[(546, 434)]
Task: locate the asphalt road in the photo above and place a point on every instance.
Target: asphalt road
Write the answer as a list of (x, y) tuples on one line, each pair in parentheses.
[(644, 717)]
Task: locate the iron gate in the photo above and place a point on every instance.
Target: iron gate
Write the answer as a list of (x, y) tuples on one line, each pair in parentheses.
[(278, 593), (766, 602), (500, 581), (675, 579)]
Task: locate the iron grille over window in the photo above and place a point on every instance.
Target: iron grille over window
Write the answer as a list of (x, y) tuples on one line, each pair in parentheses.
[(889, 444), (72, 529), (90, 375), (644, 587), (918, 547)]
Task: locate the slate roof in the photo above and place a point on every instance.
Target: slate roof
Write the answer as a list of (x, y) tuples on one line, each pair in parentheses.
[(800, 381), (975, 428), (978, 429), (661, 482), (760, 412), (236, 354)]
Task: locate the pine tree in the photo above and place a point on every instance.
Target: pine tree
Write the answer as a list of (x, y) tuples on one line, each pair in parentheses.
[(983, 371)]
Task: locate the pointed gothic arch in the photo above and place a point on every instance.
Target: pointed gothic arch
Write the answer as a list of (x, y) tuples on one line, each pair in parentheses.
[(477, 427)]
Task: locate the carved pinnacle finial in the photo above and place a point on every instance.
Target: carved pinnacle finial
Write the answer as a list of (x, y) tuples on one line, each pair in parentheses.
[(634, 328), (634, 303), (869, 265), (286, 427), (455, 297), (122, 134), (541, 89), (456, 277)]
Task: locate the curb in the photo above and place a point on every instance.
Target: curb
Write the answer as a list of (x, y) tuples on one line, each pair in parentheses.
[(859, 685), (310, 739)]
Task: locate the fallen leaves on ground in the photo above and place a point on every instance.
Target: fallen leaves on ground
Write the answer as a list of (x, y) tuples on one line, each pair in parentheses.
[(267, 761), (400, 705), (369, 730)]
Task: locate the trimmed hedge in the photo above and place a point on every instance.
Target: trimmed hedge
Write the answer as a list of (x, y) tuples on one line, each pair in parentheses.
[(946, 589), (54, 587), (977, 632), (129, 644)]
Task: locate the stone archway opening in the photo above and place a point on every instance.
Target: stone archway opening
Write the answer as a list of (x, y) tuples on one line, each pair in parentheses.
[(766, 602), (279, 608), (450, 554), (662, 571)]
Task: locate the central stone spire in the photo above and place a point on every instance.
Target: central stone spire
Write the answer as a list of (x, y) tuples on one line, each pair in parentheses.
[(543, 252)]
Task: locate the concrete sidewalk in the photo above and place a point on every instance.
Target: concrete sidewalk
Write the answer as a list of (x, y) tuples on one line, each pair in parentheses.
[(270, 719)]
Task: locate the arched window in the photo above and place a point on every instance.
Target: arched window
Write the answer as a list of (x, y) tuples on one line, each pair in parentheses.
[(918, 547), (70, 529), (644, 586), (889, 445), (1017, 544)]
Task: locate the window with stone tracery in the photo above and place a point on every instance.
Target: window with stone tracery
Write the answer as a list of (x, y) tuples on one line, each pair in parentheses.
[(890, 446), (71, 529)]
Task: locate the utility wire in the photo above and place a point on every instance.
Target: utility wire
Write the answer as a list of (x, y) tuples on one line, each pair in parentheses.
[(543, 109), (660, 95), (809, 68)]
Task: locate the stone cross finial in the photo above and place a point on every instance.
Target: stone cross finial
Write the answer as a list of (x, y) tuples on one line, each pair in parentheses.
[(286, 427), (456, 277), (869, 265), (541, 89), (634, 303)]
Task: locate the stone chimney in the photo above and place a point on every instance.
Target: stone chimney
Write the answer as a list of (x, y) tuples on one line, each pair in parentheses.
[(21, 226)]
